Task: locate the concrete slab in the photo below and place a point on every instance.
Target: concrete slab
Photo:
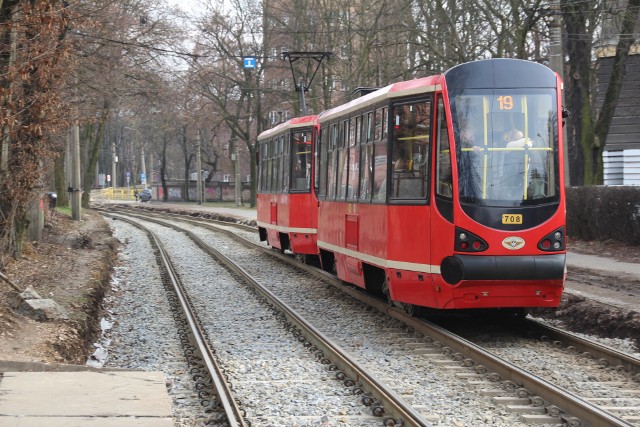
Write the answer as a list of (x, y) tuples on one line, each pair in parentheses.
[(91, 399)]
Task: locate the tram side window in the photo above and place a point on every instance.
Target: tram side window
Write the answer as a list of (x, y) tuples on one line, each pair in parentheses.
[(343, 163), (269, 166), (353, 159), (380, 172), (278, 166), (331, 162), (366, 171), (444, 179), (410, 150), (301, 168), (378, 125), (283, 183), (368, 127), (384, 123)]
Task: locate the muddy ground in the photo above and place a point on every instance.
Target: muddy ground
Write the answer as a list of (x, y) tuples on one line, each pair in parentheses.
[(73, 262)]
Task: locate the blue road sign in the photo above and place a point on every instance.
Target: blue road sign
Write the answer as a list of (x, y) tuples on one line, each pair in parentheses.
[(249, 61)]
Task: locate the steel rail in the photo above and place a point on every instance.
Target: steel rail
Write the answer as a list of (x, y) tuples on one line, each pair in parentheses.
[(393, 404), (568, 402), (610, 355), (232, 411)]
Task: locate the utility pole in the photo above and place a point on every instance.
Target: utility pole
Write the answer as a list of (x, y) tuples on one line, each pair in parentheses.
[(236, 162), (150, 177), (198, 168), (556, 63), (143, 170), (114, 163), (76, 182)]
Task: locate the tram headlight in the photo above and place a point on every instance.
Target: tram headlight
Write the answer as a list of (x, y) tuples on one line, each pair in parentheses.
[(553, 241)]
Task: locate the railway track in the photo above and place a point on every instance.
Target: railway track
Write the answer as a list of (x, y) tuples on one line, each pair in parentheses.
[(533, 398), (385, 405)]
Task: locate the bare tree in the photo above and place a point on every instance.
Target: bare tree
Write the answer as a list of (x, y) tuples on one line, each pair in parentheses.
[(33, 60), (234, 92), (587, 132)]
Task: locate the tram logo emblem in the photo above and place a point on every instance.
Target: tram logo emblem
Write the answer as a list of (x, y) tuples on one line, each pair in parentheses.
[(513, 243)]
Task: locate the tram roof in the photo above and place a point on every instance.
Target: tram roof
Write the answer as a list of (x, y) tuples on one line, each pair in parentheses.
[(394, 90), (296, 122)]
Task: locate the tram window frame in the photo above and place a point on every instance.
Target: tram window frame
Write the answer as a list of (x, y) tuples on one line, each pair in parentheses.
[(425, 170), (295, 153), (286, 163), (260, 166), (285, 168), (315, 164), (321, 165)]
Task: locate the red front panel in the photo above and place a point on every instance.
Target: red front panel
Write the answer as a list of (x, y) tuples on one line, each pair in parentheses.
[(292, 214), (505, 293)]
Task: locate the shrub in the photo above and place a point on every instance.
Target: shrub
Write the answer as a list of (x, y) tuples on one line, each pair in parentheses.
[(604, 213)]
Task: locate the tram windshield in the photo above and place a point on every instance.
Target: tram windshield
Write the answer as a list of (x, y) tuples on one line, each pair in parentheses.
[(506, 146)]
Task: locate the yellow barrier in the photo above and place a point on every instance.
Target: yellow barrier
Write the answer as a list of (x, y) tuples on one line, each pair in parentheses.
[(118, 193)]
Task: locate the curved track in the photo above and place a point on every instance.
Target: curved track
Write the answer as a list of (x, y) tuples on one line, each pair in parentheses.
[(528, 390), (382, 400)]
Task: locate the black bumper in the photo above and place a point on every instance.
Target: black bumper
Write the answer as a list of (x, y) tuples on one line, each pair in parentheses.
[(479, 267)]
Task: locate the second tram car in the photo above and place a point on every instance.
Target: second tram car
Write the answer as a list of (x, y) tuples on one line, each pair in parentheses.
[(287, 207), (447, 191)]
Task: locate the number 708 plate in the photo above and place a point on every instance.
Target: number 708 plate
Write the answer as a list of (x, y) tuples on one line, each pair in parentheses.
[(512, 218)]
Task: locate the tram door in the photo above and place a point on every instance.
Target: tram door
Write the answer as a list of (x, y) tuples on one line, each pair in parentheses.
[(442, 225)]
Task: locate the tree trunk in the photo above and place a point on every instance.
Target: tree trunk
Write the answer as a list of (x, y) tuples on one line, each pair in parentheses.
[(60, 181), (629, 21), (578, 90), (94, 141)]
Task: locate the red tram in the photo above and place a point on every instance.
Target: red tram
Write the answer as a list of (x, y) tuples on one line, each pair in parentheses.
[(444, 192), (287, 207)]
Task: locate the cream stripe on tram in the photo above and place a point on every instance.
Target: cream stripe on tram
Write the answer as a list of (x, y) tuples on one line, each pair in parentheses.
[(288, 229), (386, 263)]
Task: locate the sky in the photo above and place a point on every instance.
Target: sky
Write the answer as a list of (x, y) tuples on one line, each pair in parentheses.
[(189, 5)]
